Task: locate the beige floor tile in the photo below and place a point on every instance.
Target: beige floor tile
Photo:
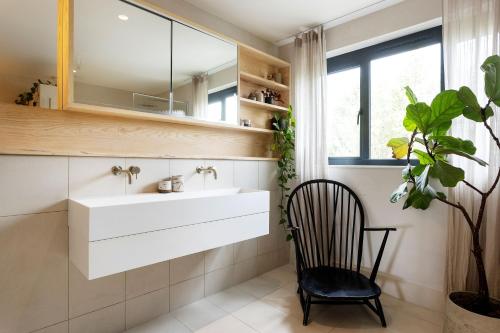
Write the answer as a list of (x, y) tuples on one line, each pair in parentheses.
[(282, 275), (434, 317), (259, 315), (198, 314), (231, 299), (227, 324), (164, 324), (259, 286), (291, 324)]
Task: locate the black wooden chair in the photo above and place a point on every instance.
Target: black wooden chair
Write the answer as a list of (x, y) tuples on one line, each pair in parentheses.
[(326, 220)]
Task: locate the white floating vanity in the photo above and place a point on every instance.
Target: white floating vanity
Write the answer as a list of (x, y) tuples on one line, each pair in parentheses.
[(115, 234)]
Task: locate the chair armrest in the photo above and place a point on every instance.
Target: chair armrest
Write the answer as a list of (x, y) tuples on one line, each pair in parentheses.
[(373, 275), (381, 229)]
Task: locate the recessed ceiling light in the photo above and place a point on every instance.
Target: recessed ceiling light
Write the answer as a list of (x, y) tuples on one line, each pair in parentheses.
[(74, 70), (123, 17)]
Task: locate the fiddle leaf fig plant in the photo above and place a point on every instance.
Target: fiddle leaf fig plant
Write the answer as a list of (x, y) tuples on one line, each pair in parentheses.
[(284, 146), (429, 142)]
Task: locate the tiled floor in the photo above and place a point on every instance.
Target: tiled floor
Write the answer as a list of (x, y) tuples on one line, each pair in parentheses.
[(269, 303)]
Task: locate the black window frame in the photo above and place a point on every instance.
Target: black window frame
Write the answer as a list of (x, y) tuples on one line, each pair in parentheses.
[(220, 96), (362, 58)]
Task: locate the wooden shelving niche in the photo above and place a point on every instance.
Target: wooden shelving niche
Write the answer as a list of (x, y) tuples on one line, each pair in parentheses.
[(254, 67)]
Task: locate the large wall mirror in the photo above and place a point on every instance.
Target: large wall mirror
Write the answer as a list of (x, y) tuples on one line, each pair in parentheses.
[(204, 76), (28, 52), (126, 57), (121, 56)]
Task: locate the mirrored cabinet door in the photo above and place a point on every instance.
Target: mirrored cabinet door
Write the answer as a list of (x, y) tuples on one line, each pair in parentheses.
[(204, 76), (28, 52), (121, 56)]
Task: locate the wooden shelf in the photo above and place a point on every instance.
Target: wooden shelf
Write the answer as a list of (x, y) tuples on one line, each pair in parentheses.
[(262, 106), (264, 57), (101, 110), (263, 82)]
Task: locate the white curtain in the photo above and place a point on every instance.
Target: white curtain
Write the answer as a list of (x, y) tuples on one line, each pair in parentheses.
[(471, 34), (310, 105), (200, 96)]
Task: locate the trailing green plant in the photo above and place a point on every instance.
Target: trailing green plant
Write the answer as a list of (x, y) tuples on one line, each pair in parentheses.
[(284, 146), (430, 144)]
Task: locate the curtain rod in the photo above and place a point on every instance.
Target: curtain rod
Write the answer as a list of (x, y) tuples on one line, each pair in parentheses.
[(327, 23)]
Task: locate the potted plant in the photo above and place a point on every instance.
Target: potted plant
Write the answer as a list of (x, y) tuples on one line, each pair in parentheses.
[(430, 144), (284, 147), (271, 96)]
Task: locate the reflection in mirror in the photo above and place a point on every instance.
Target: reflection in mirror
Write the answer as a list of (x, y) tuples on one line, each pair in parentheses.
[(204, 76), (28, 52), (121, 56)]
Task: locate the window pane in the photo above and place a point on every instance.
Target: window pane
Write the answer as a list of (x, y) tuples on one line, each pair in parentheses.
[(214, 111), (343, 102), (231, 109), (419, 69)]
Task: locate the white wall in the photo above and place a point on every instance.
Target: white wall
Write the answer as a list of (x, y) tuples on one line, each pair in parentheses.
[(40, 287), (380, 26), (413, 265)]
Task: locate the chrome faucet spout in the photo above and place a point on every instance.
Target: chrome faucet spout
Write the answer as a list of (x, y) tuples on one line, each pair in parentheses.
[(210, 169), (133, 170)]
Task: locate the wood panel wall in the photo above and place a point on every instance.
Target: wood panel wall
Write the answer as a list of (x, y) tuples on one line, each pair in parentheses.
[(35, 131)]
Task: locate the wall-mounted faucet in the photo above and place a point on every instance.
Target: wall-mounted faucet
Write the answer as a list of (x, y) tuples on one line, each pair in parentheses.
[(132, 170), (210, 169)]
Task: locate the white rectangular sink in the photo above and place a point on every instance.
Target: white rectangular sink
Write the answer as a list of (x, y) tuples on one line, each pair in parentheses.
[(114, 234)]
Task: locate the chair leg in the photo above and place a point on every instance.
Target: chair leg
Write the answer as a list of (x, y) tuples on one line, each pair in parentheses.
[(301, 298), (307, 307), (380, 312)]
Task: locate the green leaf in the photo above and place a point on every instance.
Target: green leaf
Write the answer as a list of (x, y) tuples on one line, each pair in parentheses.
[(289, 237), (471, 114), (400, 192), (448, 175), (422, 179), (418, 114), (423, 157), (409, 125), (451, 142), (468, 98), (491, 69), (447, 151), (399, 147), (442, 129), (410, 95), (445, 107), (433, 193), (418, 199)]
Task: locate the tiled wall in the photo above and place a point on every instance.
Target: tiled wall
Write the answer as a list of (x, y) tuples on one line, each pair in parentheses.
[(41, 291)]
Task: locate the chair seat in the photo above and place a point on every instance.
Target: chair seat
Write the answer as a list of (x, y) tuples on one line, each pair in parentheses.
[(328, 282)]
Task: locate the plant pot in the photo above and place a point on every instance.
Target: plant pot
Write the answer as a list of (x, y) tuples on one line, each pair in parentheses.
[(460, 320), (268, 100)]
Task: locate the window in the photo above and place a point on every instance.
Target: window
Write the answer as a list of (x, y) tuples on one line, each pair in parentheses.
[(222, 105), (366, 99)]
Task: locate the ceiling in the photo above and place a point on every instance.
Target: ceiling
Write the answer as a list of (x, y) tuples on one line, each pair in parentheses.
[(276, 20)]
